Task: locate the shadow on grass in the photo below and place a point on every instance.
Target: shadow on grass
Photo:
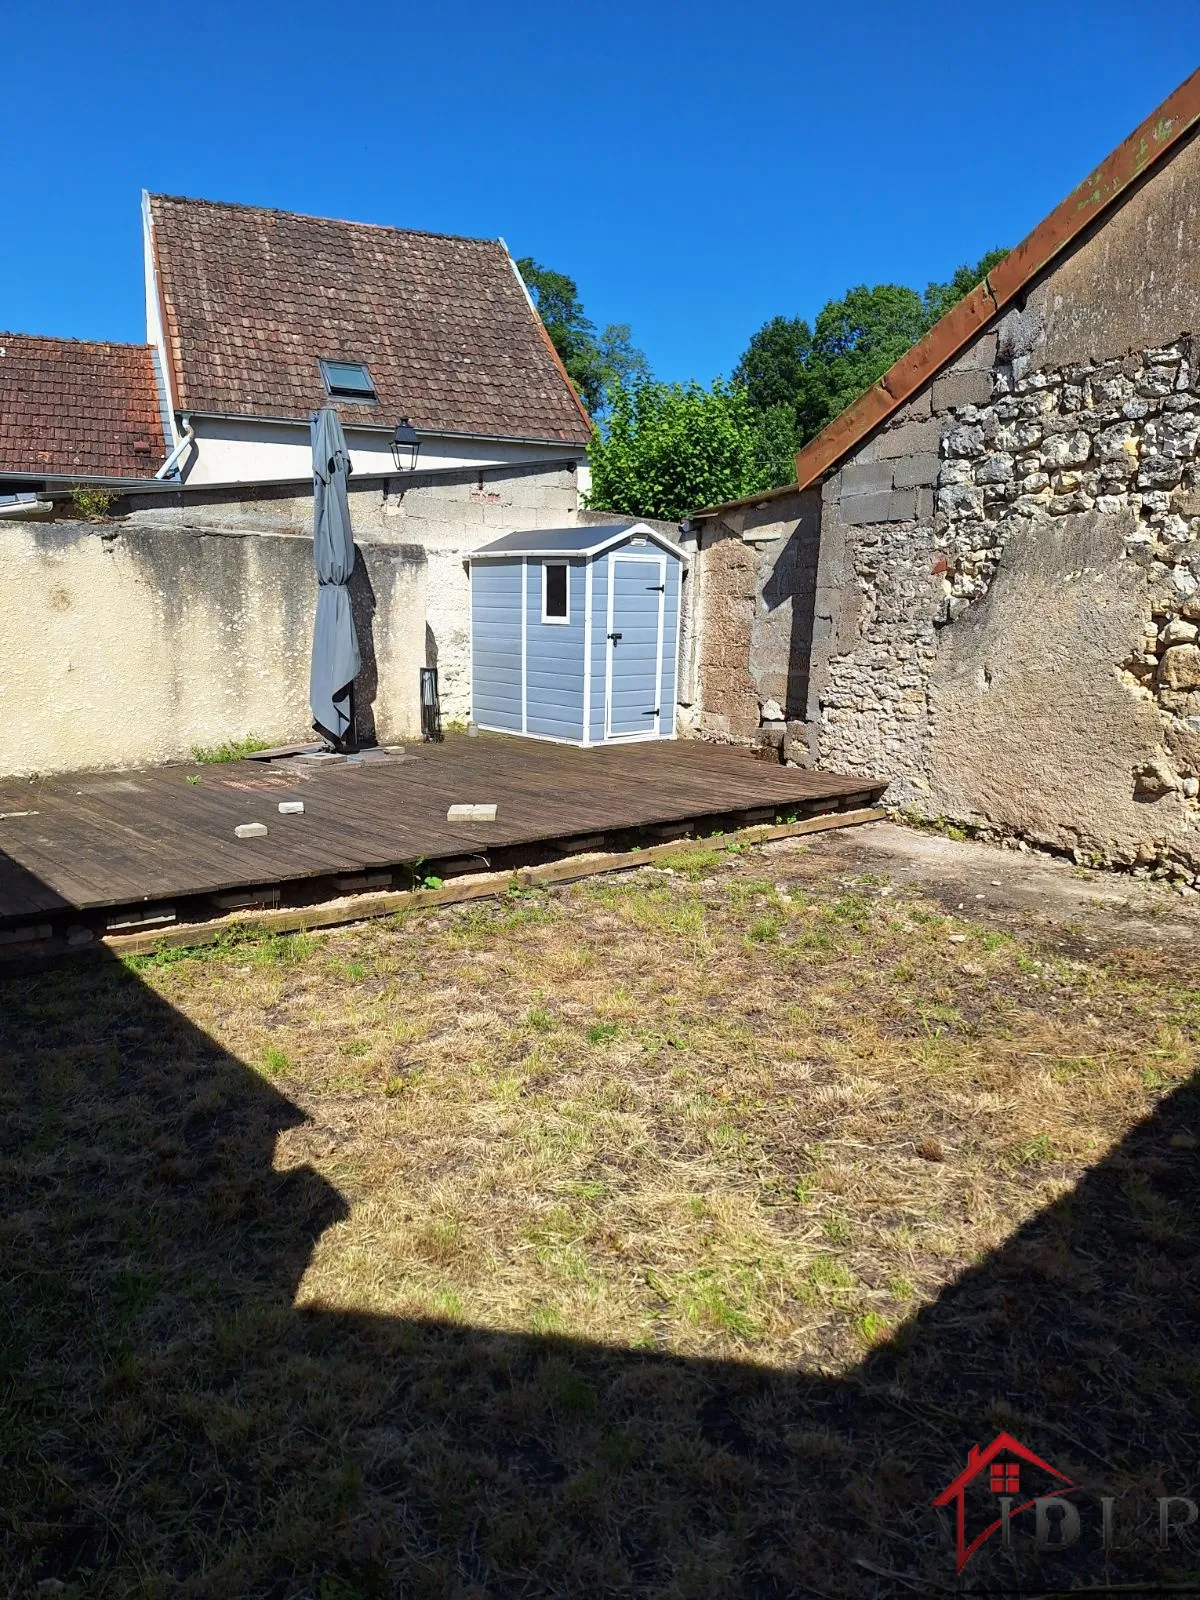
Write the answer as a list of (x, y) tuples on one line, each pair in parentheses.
[(172, 1425)]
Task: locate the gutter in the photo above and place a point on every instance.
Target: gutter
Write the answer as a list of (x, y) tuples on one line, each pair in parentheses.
[(22, 506), (383, 431), (58, 486), (749, 502), (170, 467)]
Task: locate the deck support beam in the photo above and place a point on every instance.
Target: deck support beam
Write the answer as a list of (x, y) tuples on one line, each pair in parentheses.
[(478, 886)]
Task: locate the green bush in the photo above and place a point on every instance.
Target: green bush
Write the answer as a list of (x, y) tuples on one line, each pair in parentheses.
[(91, 504), (669, 448)]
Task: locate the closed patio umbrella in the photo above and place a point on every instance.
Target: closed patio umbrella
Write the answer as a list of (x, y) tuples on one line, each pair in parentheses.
[(335, 655)]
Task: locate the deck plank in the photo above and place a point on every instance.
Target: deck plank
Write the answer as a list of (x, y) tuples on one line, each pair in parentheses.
[(108, 839)]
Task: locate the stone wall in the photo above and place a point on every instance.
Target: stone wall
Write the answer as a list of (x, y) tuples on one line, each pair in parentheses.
[(766, 608), (725, 604), (1006, 584), (125, 644), (1027, 589)]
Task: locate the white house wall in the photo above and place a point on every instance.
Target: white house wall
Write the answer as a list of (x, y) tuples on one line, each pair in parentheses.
[(245, 450)]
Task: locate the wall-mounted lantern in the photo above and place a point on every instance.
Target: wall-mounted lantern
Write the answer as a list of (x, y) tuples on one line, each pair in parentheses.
[(405, 446)]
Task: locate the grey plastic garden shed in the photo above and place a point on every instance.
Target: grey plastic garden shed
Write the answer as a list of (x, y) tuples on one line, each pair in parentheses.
[(575, 632)]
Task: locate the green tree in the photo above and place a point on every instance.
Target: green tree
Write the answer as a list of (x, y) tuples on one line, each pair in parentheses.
[(621, 362), (940, 297), (595, 363), (668, 448), (855, 341), (777, 365), (572, 335), (819, 371)]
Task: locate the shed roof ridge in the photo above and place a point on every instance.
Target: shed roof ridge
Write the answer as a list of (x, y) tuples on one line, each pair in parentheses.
[(312, 216), (546, 541)]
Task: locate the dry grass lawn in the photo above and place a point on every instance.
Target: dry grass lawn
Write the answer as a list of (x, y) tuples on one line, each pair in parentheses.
[(670, 1235)]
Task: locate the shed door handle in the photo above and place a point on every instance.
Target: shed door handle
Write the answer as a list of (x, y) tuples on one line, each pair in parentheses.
[(656, 588), (614, 637)]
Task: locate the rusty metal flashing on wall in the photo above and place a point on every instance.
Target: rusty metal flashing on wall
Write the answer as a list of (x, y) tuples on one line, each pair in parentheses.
[(1131, 161), (1138, 155)]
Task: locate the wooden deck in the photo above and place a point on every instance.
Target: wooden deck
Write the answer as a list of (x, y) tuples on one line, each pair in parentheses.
[(80, 846)]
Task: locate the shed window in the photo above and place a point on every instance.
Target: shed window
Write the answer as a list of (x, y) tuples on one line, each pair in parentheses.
[(555, 606), (347, 380)]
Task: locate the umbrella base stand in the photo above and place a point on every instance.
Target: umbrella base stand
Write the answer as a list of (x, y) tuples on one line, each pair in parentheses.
[(347, 744), (431, 707)]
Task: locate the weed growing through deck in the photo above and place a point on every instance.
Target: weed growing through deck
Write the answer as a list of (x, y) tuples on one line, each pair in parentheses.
[(231, 750), (419, 877), (302, 1228)]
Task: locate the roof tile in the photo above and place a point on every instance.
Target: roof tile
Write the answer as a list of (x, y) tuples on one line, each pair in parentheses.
[(253, 298), (76, 407)]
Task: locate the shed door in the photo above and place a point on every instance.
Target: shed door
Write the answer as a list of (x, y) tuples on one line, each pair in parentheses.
[(637, 587)]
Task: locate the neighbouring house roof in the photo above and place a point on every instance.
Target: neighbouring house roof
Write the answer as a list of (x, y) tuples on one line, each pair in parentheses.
[(252, 299), (76, 407), (1095, 198), (586, 541)]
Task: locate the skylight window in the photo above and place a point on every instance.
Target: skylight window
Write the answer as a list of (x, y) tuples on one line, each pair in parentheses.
[(347, 380)]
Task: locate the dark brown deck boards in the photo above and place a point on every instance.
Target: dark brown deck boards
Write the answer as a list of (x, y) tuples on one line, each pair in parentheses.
[(116, 839)]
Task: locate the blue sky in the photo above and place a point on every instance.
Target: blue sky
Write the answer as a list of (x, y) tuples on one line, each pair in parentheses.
[(696, 168)]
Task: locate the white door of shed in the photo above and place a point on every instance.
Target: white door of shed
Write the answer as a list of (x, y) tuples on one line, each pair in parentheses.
[(637, 587)]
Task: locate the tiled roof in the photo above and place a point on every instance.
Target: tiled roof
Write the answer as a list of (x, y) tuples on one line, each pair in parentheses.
[(75, 407), (253, 298)]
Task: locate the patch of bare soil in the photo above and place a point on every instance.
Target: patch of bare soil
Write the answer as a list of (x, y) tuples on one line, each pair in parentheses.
[(1068, 908)]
